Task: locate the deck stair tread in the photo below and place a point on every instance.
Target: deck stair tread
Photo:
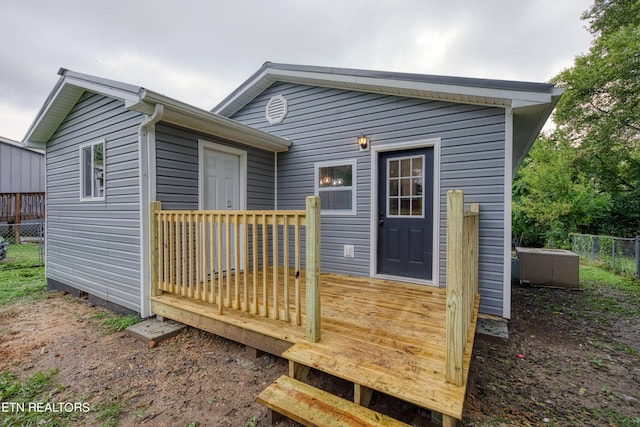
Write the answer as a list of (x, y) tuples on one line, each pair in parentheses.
[(311, 406), (408, 373), (415, 380), (392, 344)]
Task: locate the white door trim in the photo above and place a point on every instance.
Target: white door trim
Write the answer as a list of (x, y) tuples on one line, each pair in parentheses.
[(373, 233), (208, 145)]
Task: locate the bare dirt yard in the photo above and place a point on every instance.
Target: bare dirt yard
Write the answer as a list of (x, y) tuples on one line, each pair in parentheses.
[(573, 359)]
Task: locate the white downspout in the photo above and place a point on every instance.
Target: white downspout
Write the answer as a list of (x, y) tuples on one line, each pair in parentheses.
[(146, 166), (275, 186)]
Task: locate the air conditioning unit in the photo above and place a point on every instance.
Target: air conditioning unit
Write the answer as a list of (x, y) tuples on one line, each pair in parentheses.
[(556, 267)]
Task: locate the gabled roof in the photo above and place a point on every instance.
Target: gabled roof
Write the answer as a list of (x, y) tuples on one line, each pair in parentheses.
[(531, 103), (72, 85)]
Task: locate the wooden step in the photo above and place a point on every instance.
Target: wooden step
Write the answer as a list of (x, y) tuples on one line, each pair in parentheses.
[(402, 374), (313, 407)]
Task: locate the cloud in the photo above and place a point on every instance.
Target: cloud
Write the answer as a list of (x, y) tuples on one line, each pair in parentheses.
[(198, 51)]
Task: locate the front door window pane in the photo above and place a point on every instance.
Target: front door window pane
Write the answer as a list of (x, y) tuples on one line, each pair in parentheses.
[(405, 179)]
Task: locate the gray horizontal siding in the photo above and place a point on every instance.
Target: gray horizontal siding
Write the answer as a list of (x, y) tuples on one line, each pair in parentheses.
[(95, 246), (177, 169), (21, 170), (323, 123)]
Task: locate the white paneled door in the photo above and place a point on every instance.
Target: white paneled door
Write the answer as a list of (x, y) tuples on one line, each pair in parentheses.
[(221, 191)]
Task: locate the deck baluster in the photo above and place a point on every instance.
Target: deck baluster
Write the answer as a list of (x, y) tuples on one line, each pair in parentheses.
[(200, 255)]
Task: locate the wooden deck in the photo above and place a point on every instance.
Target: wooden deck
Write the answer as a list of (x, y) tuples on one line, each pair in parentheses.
[(382, 335)]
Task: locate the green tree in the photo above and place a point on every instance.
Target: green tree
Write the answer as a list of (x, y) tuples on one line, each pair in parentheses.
[(553, 197), (599, 113)]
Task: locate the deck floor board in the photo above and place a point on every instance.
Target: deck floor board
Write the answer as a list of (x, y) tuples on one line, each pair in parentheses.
[(384, 335)]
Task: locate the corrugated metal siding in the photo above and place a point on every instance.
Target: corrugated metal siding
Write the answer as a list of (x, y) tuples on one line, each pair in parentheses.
[(177, 169), (21, 170), (323, 124), (95, 246)]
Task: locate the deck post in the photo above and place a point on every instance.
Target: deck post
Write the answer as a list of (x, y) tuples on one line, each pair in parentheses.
[(448, 421), (313, 268), (475, 243), (454, 282), (154, 250), (16, 223)]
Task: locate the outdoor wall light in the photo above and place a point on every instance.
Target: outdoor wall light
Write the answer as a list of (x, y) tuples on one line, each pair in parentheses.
[(363, 142)]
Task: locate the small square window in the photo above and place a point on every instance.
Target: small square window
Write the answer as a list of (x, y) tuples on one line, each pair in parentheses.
[(92, 171), (336, 186), (404, 187)]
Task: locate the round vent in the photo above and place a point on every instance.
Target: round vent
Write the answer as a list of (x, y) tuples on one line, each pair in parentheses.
[(276, 109)]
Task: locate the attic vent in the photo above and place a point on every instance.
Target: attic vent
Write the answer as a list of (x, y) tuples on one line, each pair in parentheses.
[(276, 109)]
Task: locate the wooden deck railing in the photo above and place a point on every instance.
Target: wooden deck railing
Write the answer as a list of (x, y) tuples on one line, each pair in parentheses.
[(461, 278), (249, 261), (16, 207)]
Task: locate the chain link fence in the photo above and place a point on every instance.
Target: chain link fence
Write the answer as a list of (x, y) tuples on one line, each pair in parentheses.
[(25, 244), (619, 254)]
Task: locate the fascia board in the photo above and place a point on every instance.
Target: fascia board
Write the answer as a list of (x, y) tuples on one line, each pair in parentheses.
[(425, 87), (102, 89), (63, 97), (250, 87), (452, 92)]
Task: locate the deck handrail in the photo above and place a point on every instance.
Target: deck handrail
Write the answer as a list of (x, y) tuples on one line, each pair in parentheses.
[(210, 255), (461, 280), (15, 207)]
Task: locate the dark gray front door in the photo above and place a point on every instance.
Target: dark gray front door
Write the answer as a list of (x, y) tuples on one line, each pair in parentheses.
[(405, 219)]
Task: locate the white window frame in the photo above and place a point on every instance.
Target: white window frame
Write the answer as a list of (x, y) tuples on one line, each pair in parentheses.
[(354, 185), (388, 184), (82, 147)]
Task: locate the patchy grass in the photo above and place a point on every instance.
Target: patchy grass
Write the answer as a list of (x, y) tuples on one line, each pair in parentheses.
[(608, 416), (21, 256), (110, 411), (40, 388), (112, 322), (581, 348), (607, 294), (594, 276), (20, 283)]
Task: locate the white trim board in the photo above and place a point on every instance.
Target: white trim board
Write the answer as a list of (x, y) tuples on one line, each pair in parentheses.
[(508, 182)]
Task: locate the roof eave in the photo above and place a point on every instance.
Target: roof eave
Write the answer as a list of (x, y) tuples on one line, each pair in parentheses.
[(71, 86), (64, 95), (194, 118), (534, 118), (457, 92)]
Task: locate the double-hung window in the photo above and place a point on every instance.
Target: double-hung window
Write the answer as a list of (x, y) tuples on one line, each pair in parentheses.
[(92, 171), (335, 183)]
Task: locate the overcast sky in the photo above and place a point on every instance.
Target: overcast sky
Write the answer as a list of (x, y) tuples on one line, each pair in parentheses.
[(199, 51)]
